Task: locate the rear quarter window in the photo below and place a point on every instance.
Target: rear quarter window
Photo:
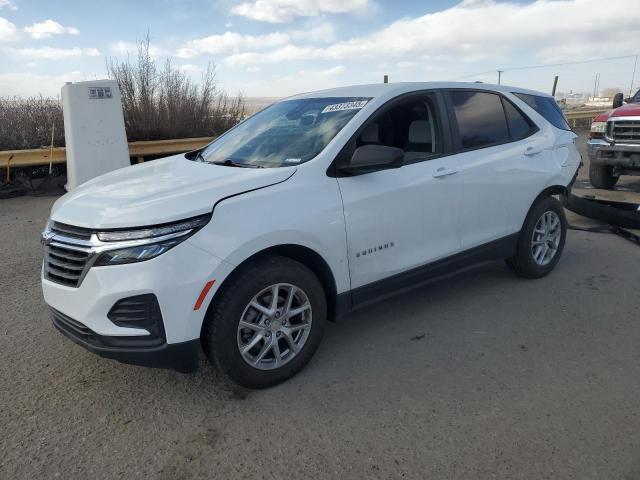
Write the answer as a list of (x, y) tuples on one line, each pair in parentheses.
[(547, 107), (480, 117), (519, 124)]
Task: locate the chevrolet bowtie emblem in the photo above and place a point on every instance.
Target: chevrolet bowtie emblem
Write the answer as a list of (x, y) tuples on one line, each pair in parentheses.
[(46, 237)]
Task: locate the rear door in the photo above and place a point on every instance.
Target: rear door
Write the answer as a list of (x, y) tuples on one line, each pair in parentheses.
[(491, 137)]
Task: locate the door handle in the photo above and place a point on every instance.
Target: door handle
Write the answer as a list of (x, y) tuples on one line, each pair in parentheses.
[(444, 172), (532, 151)]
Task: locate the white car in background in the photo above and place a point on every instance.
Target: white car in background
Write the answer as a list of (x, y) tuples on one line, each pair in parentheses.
[(320, 204)]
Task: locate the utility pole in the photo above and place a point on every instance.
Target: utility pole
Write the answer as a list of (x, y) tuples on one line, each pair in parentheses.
[(633, 76), (555, 84), (595, 85), (500, 72)]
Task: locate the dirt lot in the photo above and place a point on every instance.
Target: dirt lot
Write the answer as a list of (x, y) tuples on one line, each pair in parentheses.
[(479, 376)]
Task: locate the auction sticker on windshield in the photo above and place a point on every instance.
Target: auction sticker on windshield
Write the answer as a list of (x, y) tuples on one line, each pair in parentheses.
[(337, 107)]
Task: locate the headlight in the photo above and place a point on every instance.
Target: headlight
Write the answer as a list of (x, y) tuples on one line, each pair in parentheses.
[(138, 245), (599, 127), (159, 231)]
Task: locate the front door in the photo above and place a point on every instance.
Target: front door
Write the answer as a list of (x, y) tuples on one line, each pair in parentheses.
[(400, 219)]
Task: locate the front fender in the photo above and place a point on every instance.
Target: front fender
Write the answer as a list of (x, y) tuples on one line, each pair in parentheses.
[(308, 214)]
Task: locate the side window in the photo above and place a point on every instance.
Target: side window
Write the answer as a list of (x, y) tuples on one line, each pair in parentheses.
[(480, 117), (411, 125), (519, 126), (547, 107)]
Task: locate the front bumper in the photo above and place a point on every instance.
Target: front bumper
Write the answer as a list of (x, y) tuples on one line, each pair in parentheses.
[(601, 152), (179, 356), (176, 278)]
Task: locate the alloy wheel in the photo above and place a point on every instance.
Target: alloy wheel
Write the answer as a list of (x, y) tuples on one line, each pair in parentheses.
[(545, 240), (274, 326)]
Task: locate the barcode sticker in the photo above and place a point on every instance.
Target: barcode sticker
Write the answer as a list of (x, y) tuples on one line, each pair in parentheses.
[(337, 107)]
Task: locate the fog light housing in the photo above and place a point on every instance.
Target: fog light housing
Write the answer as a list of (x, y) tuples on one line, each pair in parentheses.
[(140, 311)]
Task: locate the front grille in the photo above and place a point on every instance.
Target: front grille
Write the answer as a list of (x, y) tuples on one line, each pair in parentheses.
[(70, 325), (65, 265), (71, 231), (625, 131)]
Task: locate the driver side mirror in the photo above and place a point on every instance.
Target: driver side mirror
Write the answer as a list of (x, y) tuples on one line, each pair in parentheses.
[(371, 158)]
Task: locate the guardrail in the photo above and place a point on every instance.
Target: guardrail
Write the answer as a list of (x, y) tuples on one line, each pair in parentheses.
[(575, 116), (137, 150)]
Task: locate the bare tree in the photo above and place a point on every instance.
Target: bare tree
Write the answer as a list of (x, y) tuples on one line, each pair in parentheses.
[(161, 101), (27, 122), (610, 92)]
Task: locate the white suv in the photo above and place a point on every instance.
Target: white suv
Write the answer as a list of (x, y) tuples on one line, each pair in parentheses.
[(318, 205)]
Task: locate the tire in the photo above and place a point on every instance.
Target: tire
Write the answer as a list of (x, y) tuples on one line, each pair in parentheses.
[(271, 334), (601, 176), (534, 261)]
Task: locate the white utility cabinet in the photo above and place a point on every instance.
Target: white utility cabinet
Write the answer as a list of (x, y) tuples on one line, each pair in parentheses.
[(93, 130)]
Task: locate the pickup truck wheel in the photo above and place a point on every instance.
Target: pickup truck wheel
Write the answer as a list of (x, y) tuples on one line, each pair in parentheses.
[(541, 240), (601, 176), (266, 323)]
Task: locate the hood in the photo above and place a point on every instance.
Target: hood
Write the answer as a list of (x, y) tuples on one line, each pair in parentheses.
[(628, 110), (159, 191)]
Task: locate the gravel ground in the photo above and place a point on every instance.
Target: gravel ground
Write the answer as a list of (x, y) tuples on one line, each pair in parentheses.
[(479, 376)]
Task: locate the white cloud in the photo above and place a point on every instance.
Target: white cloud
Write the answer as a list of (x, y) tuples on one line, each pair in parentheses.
[(49, 28), (306, 80), (131, 48), (28, 84), (288, 53), (327, 72), (280, 11), (52, 53), (481, 30), (7, 30), (190, 69), (313, 32), (230, 42), (8, 4)]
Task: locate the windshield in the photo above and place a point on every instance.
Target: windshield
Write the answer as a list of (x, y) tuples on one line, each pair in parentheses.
[(286, 133)]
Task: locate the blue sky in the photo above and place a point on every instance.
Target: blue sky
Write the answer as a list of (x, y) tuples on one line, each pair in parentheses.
[(280, 47)]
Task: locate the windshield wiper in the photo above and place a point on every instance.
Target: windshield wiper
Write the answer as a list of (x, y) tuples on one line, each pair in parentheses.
[(232, 163)]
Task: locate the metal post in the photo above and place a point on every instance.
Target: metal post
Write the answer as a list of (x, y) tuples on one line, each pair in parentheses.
[(386, 79), (555, 84), (633, 76), (53, 131), (500, 76)]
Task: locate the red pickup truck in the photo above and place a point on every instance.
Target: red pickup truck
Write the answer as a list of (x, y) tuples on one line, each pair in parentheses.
[(614, 143)]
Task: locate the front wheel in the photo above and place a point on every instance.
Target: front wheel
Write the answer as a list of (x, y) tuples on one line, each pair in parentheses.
[(541, 240), (266, 323)]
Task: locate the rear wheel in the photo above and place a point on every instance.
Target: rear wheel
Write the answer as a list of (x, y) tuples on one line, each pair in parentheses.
[(541, 241), (266, 323), (601, 176)]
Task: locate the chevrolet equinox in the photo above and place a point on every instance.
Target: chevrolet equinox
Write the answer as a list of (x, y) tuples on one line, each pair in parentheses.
[(318, 205)]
